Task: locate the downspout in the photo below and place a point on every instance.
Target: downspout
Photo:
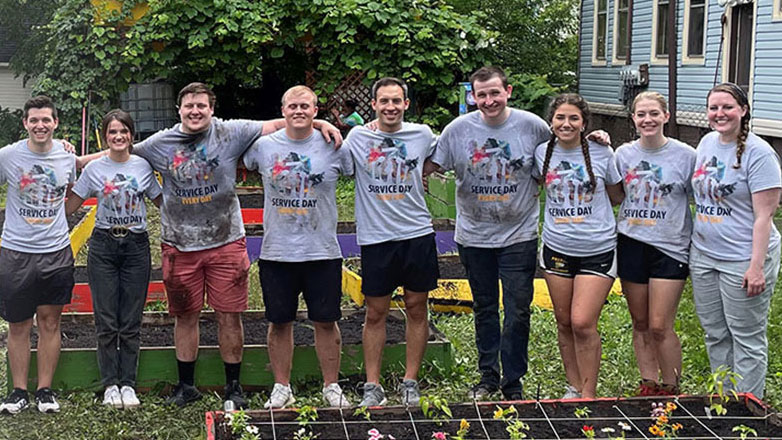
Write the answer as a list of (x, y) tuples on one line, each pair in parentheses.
[(578, 58), (629, 49), (673, 126)]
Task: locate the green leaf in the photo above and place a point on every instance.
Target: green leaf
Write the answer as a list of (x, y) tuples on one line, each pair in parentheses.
[(277, 52)]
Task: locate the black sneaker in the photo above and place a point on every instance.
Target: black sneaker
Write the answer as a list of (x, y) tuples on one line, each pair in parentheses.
[(482, 391), (183, 394), (233, 392), (46, 402), (15, 402), (513, 395)]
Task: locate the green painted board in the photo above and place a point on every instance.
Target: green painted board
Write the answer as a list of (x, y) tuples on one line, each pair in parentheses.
[(443, 187), (440, 209)]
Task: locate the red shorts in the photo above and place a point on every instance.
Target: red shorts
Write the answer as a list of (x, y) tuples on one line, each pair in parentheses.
[(221, 272)]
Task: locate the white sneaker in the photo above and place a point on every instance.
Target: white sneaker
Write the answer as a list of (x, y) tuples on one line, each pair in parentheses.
[(129, 399), (281, 397), (112, 397), (571, 393), (334, 397)]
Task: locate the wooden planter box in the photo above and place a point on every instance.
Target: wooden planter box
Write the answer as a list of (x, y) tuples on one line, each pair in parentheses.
[(78, 367), (81, 297), (545, 419)]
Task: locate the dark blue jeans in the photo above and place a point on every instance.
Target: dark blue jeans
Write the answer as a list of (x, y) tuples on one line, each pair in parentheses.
[(515, 265), (118, 269)]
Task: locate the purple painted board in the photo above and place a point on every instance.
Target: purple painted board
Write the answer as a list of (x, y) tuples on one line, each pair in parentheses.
[(350, 248)]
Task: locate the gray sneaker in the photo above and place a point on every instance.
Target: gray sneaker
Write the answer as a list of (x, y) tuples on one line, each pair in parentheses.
[(373, 395), (409, 392), (482, 391), (571, 393)]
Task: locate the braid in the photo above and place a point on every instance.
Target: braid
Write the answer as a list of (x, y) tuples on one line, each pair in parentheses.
[(549, 151), (588, 161), (741, 141)]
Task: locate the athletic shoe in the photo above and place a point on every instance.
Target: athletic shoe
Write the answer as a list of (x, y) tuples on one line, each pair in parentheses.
[(112, 397), (46, 401), (513, 395), (183, 394), (411, 395), (482, 391), (571, 393), (15, 402), (647, 388), (234, 393), (129, 398), (373, 395), (665, 389), (334, 396), (281, 396)]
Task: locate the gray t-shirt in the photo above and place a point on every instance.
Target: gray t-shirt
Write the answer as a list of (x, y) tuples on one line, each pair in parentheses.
[(390, 202), (200, 209), (578, 218), (657, 186), (120, 188), (723, 196), (496, 196), (300, 183), (34, 209)]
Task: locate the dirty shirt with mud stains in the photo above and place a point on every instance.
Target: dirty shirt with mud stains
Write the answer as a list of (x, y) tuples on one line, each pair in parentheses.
[(496, 196), (200, 209), (300, 202)]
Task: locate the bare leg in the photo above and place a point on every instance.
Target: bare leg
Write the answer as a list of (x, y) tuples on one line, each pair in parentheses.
[(416, 331), (186, 336), (589, 295), (328, 346), (374, 335), (230, 336), (664, 301), (19, 351), (49, 340), (561, 292), (637, 296), (281, 351)]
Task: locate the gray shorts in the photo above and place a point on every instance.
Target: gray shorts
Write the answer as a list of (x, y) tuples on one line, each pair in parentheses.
[(31, 280)]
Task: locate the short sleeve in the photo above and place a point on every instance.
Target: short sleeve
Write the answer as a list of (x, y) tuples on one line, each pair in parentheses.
[(250, 158), (153, 190), (542, 131), (72, 174), (346, 167), (612, 171), (433, 144), (82, 186), (442, 153), (4, 160), (244, 132), (763, 171)]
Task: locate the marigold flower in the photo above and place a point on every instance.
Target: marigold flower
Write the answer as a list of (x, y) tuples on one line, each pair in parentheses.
[(670, 407), (656, 431), (676, 426), (498, 414), (662, 419), (464, 425)]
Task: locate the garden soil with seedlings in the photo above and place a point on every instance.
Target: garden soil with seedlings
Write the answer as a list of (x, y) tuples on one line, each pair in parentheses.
[(80, 274), (81, 335), (543, 420), (72, 219), (251, 201)]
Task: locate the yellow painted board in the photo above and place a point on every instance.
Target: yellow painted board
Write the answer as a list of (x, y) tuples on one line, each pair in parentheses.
[(81, 233), (455, 295)]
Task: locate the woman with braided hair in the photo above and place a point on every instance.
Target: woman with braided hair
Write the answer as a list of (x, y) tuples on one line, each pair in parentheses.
[(735, 252), (579, 237)]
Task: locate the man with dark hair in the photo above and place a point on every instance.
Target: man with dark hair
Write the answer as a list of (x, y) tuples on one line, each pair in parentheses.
[(202, 232), (36, 261), (491, 151), (394, 229), (349, 118)]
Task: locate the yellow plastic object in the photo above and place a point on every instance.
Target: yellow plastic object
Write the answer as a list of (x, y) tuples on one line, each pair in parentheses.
[(104, 8), (81, 233)]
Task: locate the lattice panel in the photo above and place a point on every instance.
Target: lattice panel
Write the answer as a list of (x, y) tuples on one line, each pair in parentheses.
[(351, 87)]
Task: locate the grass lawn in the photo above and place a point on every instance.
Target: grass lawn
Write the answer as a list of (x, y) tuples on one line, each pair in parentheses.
[(83, 417)]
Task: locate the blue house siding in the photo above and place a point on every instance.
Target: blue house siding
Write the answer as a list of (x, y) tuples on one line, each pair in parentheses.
[(767, 94)]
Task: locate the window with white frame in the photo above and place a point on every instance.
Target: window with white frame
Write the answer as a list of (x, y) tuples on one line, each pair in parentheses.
[(695, 26), (622, 19), (777, 10), (660, 29), (601, 31)]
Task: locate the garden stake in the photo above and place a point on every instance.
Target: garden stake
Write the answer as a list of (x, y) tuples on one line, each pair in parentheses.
[(344, 426), (679, 404), (480, 419), (631, 422), (271, 417), (412, 422), (546, 416)]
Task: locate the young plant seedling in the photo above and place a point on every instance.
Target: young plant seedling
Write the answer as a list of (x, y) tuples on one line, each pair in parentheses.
[(583, 412), (745, 432), (715, 384), (436, 409), (363, 412), (303, 434), (517, 429), (306, 414)]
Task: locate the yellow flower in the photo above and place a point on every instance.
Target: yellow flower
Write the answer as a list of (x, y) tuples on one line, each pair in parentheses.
[(656, 431), (498, 414), (676, 426), (464, 425), (670, 407), (663, 419)]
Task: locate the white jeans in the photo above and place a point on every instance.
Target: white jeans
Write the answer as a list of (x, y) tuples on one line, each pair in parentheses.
[(735, 325)]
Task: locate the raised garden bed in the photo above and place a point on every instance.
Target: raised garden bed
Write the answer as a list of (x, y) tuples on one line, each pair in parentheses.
[(80, 224), (251, 202), (78, 367), (346, 236), (547, 419), (81, 297), (453, 292)]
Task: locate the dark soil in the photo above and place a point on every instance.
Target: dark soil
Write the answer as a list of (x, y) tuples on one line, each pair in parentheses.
[(396, 421), (160, 334), (80, 274), (251, 201), (72, 219)]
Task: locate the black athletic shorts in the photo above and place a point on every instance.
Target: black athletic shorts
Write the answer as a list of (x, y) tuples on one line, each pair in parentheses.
[(410, 263), (639, 261), (30, 280), (320, 281), (555, 263)]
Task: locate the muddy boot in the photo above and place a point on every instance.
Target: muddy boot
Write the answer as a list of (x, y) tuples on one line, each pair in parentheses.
[(647, 388)]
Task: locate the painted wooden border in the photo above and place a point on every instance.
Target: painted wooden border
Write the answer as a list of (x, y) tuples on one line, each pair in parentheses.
[(81, 232)]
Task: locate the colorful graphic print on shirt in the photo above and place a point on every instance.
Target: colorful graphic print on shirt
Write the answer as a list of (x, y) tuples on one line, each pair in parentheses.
[(40, 194), (568, 184), (710, 191), (292, 178), (121, 199), (190, 166), (646, 193), (387, 163), (495, 169)]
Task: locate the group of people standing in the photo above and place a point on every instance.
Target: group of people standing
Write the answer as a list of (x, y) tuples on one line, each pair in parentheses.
[(501, 157)]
